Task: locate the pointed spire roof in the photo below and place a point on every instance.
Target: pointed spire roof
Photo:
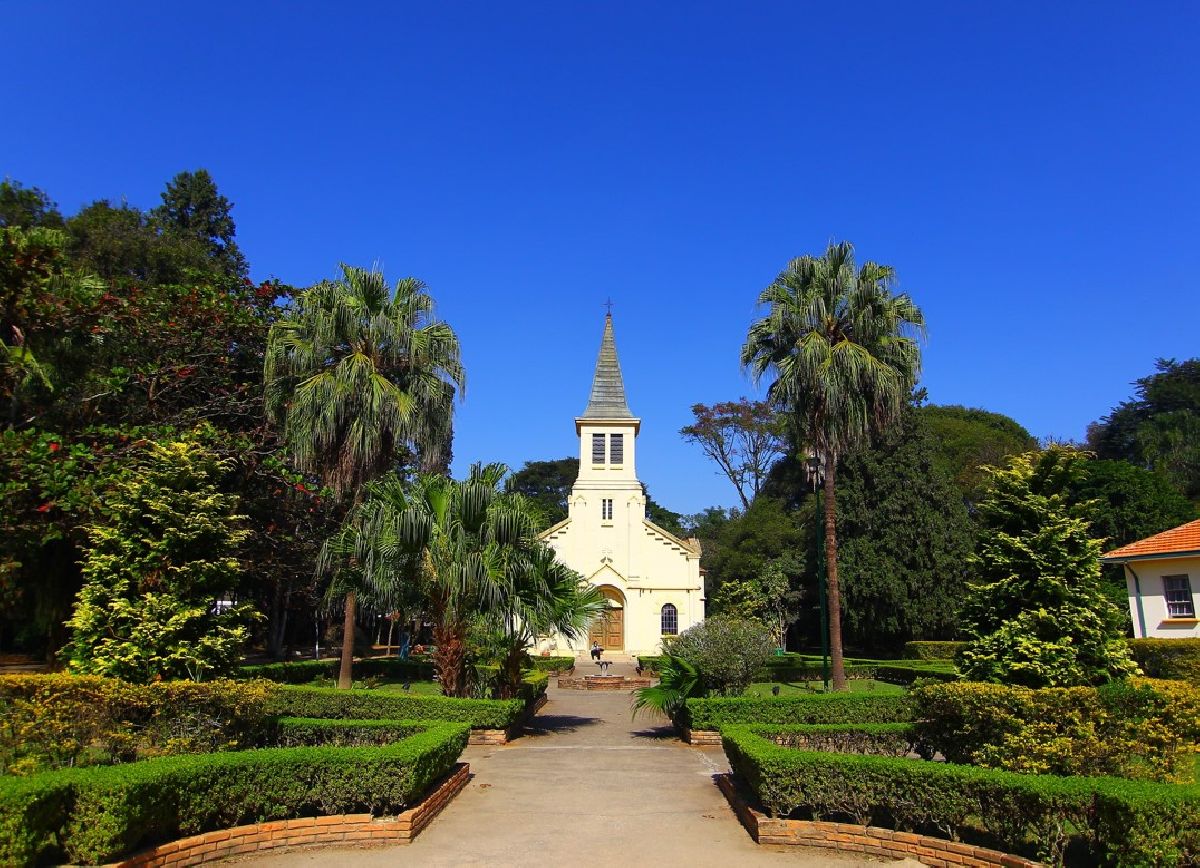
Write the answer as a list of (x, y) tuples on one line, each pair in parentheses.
[(608, 389)]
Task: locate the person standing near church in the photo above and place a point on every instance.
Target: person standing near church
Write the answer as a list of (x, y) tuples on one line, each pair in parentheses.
[(596, 650)]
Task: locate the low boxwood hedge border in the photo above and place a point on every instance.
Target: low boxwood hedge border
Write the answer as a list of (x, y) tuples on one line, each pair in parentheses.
[(1114, 821), (876, 739), (926, 650), (796, 667), (306, 671), (95, 815), (338, 732), (329, 702), (713, 713), (552, 664)]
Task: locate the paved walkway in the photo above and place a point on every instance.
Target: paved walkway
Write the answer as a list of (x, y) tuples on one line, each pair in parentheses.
[(585, 786)]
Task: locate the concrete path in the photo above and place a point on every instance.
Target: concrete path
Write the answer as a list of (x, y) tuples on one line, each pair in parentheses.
[(585, 786)]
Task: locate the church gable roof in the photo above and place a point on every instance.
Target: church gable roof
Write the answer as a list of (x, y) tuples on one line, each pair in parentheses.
[(690, 547), (607, 400)]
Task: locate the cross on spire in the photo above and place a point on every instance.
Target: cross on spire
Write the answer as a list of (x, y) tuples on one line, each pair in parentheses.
[(608, 304)]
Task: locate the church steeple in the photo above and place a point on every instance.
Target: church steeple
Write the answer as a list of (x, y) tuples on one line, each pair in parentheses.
[(608, 388)]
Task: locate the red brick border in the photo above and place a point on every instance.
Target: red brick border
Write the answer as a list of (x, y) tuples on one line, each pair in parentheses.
[(305, 831), (872, 840), (701, 736), (504, 736), (603, 682)]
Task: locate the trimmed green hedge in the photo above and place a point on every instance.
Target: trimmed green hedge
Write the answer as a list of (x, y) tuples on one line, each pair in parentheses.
[(306, 671), (329, 702), (1115, 821), (793, 667), (710, 714), (932, 650), (319, 731), (552, 664), (1168, 658), (876, 739), (96, 815)]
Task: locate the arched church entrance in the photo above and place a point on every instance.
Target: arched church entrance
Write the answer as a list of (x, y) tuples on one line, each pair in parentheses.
[(609, 629)]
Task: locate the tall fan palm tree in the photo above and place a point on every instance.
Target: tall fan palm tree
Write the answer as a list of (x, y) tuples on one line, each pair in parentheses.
[(356, 373), (844, 353), (474, 549)]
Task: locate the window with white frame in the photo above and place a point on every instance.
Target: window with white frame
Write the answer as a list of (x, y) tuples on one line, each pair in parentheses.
[(1178, 591), (606, 509), (670, 620), (616, 449), (597, 448)]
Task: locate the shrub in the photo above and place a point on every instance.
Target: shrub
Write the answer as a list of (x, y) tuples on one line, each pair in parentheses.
[(329, 702), (314, 732), (96, 815), (876, 739), (709, 714), (727, 651), (52, 721), (1143, 729), (1116, 822), (307, 671), (907, 673), (932, 650), (1168, 658), (552, 664)]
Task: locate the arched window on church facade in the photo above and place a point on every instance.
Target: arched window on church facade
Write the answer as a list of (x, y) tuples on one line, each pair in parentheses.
[(670, 620)]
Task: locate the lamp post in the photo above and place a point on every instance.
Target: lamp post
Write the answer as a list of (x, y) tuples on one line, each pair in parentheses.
[(814, 469)]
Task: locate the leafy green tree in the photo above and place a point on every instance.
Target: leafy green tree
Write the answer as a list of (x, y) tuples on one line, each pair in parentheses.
[(904, 538), (1160, 428), (743, 438), (22, 206), (843, 351), (193, 208), (1036, 614), (355, 373), (157, 573), (769, 597), (123, 245), (741, 548), (965, 439), (726, 651)]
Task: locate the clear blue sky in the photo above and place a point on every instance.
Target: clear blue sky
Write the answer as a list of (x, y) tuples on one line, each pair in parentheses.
[(1029, 169)]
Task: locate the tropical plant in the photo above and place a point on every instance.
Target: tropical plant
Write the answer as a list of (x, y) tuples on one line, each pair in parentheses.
[(473, 551), (1037, 615), (355, 374), (844, 354), (678, 681)]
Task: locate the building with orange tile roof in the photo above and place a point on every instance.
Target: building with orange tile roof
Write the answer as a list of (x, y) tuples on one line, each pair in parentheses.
[(1162, 575)]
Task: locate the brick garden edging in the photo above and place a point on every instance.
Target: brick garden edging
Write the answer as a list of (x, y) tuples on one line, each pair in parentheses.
[(504, 736), (603, 682), (872, 840), (305, 831), (701, 736)]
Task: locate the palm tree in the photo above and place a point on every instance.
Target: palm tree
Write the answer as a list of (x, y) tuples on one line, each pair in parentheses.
[(844, 353), (474, 549), (355, 374)]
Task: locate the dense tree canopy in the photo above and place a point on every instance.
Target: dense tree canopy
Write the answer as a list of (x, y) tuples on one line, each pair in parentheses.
[(965, 439), (1159, 429)]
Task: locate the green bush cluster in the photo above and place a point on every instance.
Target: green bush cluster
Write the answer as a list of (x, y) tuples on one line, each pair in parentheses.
[(1168, 658), (709, 714), (792, 667), (932, 650), (93, 816), (1112, 821), (316, 732), (329, 702), (54, 721), (1137, 729), (876, 739)]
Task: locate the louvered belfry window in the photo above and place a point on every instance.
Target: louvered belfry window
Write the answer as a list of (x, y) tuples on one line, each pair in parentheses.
[(616, 449), (597, 448)]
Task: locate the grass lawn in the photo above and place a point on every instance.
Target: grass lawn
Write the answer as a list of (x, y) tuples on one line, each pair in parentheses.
[(800, 688)]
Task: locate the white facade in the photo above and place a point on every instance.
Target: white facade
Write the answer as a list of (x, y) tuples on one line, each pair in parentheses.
[(651, 578), (1147, 580)]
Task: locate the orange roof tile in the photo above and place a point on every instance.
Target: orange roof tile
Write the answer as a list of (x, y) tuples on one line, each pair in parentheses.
[(1178, 540)]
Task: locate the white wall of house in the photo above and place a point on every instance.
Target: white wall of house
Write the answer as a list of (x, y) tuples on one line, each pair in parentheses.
[(1147, 601)]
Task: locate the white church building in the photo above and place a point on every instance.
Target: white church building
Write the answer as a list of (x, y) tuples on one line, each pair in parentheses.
[(650, 577)]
